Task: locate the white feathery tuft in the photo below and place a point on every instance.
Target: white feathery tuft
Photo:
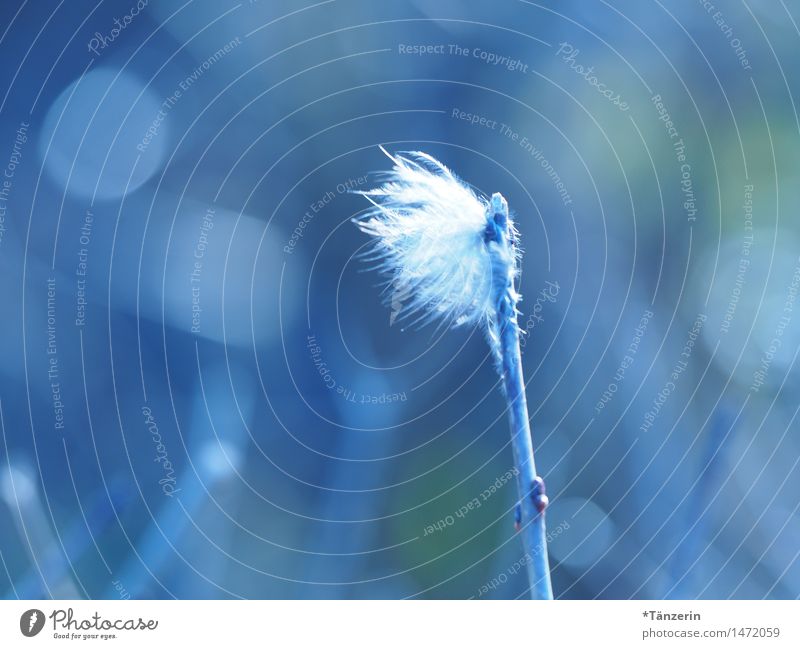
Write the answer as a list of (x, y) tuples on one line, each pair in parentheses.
[(452, 255), (436, 241)]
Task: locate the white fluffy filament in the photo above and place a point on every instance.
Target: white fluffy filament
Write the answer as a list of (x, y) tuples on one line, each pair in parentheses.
[(431, 240)]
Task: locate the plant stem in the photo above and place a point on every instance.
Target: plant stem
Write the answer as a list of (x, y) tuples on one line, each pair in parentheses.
[(533, 500)]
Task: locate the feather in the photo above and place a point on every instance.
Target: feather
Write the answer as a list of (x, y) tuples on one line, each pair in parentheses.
[(448, 253)]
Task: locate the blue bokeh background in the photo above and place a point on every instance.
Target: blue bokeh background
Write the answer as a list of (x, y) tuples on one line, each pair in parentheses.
[(202, 395)]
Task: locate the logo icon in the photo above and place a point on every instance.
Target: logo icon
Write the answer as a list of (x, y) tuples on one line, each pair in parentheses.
[(31, 622)]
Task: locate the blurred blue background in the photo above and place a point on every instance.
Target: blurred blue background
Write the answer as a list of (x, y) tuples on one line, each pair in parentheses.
[(202, 395)]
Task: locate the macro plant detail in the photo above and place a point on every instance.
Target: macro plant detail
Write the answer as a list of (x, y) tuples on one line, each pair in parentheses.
[(451, 255)]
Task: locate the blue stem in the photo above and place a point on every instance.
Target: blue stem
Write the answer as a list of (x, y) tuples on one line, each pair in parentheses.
[(533, 500), (504, 337)]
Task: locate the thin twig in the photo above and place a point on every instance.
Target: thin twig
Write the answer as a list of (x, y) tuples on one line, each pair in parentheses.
[(453, 256)]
